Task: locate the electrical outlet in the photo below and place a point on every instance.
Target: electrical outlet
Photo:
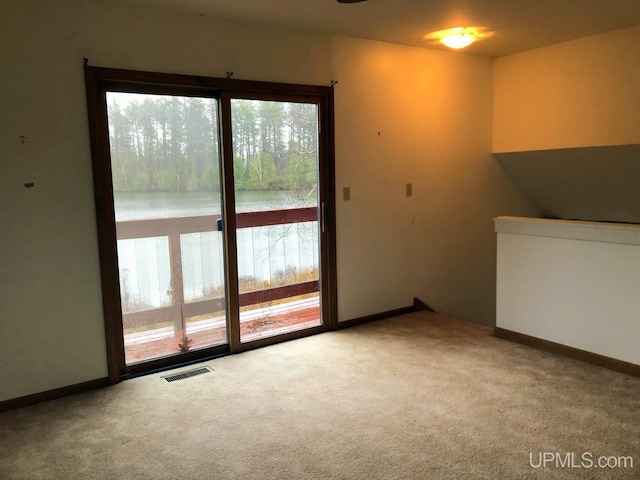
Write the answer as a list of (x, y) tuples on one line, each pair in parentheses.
[(409, 190)]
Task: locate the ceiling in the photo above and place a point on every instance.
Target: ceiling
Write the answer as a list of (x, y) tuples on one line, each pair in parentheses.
[(518, 25)]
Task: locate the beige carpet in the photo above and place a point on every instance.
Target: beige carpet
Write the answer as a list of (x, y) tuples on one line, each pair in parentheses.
[(421, 396)]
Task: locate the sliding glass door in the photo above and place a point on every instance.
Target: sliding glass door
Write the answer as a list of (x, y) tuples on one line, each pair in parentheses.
[(212, 199), (165, 167), (275, 169)]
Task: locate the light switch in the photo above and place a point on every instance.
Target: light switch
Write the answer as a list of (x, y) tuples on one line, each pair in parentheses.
[(346, 193)]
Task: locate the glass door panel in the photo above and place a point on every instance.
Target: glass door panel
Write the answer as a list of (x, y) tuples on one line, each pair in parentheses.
[(165, 165), (275, 149)]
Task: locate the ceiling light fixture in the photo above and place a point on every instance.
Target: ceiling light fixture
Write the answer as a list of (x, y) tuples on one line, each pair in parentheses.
[(458, 40), (459, 37)]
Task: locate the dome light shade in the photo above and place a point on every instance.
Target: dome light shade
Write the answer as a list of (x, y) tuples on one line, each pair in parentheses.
[(459, 37), (458, 40)]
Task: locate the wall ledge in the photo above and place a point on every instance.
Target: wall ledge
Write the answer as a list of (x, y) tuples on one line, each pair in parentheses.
[(622, 233)]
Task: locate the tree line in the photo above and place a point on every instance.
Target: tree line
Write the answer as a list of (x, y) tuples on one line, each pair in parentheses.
[(171, 144)]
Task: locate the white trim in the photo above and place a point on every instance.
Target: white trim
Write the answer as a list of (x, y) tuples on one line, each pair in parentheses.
[(627, 234)]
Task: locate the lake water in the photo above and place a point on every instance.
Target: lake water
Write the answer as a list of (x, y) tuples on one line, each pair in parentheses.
[(266, 255), (139, 206)]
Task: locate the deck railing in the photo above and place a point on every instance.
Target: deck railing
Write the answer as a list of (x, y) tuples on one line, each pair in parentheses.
[(173, 229)]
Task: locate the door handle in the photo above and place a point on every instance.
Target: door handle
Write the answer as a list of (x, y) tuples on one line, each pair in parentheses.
[(323, 217), (220, 225)]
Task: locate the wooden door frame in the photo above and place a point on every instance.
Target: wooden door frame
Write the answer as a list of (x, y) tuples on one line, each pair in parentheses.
[(98, 81)]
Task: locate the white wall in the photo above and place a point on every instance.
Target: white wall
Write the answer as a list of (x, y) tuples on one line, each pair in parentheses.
[(580, 93), (410, 115), (573, 283), (432, 109)]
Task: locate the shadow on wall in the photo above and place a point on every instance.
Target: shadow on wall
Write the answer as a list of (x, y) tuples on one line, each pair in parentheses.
[(594, 183)]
